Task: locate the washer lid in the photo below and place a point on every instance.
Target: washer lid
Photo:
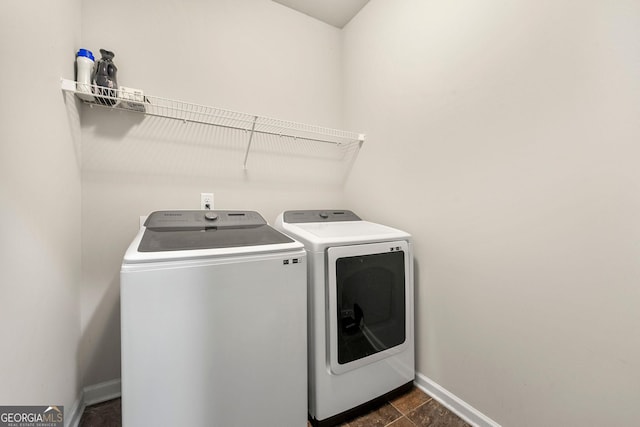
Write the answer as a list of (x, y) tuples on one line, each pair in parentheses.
[(191, 230)]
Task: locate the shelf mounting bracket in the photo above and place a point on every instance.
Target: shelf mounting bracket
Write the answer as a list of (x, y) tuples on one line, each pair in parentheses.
[(246, 154)]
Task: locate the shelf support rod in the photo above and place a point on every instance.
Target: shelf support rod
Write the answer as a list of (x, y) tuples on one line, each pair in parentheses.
[(246, 154)]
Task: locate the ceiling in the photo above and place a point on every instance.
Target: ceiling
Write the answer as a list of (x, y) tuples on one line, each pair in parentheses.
[(334, 12)]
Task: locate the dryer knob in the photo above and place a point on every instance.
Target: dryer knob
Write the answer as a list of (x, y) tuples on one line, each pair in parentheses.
[(324, 215), (211, 216)]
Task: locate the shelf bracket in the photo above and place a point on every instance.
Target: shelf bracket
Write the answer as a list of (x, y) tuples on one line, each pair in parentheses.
[(246, 154)]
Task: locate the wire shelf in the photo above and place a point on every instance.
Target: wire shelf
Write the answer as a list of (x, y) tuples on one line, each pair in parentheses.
[(117, 99)]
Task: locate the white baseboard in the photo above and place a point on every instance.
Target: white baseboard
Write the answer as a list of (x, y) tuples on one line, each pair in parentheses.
[(91, 395), (101, 392), (452, 402), (73, 415)]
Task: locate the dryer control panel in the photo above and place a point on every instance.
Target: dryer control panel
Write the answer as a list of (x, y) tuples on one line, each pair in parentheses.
[(293, 217)]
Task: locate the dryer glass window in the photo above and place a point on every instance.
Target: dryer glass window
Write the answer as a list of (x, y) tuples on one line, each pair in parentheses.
[(370, 291)]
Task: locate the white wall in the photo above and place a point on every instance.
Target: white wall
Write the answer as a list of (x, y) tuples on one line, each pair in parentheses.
[(39, 206), (255, 56), (504, 136)]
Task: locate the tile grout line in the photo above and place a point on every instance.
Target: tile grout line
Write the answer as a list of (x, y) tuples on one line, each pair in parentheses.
[(394, 407), (412, 409), (403, 415), (422, 404)]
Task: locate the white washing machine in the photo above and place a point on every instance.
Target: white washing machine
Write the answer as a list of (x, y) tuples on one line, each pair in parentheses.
[(361, 334), (214, 323)]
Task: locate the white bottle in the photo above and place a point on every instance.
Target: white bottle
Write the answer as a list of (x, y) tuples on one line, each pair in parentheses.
[(85, 64)]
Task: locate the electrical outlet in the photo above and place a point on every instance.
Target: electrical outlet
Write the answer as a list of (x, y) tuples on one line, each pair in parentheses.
[(206, 201)]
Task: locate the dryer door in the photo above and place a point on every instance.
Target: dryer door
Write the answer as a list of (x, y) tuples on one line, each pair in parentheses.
[(369, 303)]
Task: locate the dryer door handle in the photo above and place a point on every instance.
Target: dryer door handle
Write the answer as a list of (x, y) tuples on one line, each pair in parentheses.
[(351, 319)]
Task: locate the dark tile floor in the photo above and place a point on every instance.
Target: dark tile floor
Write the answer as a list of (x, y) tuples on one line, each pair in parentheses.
[(105, 414), (413, 409)]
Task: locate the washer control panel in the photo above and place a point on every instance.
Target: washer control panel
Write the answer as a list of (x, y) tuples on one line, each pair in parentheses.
[(201, 220), (205, 229)]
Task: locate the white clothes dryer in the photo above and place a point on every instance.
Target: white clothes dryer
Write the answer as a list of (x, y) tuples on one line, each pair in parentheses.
[(361, 319), (213, 317)]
